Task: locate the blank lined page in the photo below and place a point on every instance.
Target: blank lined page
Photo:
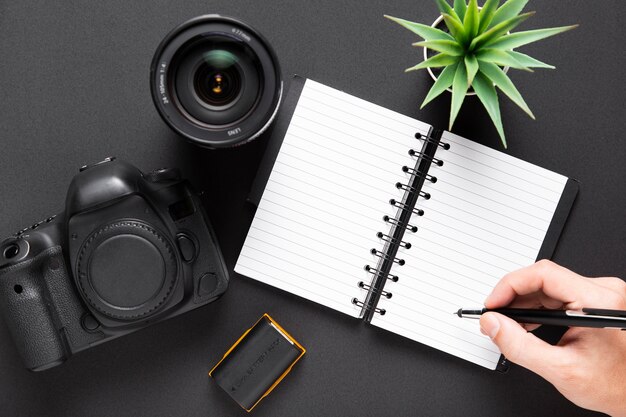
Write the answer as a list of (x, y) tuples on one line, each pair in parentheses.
[(326, 196), (488, 215)]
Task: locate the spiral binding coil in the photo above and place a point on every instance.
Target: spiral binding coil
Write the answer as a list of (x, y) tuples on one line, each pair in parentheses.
[(375, 271), (358, 303), (390, 239), (432, 159), (408, 188), (403, 206), (428, 177), (419, 136), (367, 287), (406, 206), (383, 255), (395, 223)]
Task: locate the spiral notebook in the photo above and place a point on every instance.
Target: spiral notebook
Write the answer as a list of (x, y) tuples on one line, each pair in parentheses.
[(377, 215)]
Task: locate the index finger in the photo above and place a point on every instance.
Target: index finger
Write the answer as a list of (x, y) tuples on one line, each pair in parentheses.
[(556, 282)]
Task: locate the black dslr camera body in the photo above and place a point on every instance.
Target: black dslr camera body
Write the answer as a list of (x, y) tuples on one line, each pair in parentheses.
[(129, 250)]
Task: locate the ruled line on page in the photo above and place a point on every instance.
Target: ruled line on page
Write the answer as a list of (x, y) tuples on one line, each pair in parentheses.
[(498, 178), (339, 174), (504, 158), (292, 225), (312, 274), (483, 235), (297, 287), (455, 276), (324, 200), (331, 216), (376, 110), (433, 315), (535, 206), (290, 173), (380, 144), (440, 282), (481, 207), (338, 231), (333, 248), (458, 239), (421, 244), (356, 165), (438, 336), (507, 173), (306, 249), (363, 122), (450, 208), (353, 151)]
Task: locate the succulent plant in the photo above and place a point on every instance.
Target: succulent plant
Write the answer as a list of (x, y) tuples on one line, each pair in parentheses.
[(474, 50)]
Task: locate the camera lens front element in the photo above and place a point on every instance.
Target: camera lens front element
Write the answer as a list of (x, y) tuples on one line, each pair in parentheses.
[(216, 81)]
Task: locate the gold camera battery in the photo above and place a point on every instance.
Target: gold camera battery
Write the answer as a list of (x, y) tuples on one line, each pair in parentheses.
[(257, 362)]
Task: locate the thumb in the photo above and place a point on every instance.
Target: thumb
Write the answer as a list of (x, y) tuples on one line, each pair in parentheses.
[(520, 346)]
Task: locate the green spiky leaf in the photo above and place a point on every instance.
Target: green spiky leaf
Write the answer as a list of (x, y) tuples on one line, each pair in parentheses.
[(443, 82), (508, 10), (456, 28), (439, 60), (459, 90), (448, 47), (486, 14), (471, 66), (424, 31), (498, 30), (444, 7), (517, 39), (471, 20), (504, 83), (460, 7), (501, 58), (528, 61), (486, 92)]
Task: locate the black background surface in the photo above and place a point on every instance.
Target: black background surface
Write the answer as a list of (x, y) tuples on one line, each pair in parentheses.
[(74, 89)]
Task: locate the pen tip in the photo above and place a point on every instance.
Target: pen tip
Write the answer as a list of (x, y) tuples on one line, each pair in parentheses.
[(459, 312)]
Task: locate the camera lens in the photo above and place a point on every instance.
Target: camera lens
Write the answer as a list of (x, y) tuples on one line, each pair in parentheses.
[(216, 81), (11, 251)]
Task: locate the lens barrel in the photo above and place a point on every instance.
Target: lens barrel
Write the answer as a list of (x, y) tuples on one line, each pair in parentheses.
[(216, 81)]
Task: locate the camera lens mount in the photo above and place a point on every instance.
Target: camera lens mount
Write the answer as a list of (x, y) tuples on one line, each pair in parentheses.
[(127, 270), (216, 81)]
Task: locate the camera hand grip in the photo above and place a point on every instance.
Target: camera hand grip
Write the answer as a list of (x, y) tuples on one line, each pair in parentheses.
[(26, 307)]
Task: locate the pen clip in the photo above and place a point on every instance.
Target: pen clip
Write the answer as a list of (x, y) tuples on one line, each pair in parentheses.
[(604, 312)]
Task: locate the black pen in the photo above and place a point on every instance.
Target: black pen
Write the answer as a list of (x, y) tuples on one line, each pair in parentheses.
[(587, 317)]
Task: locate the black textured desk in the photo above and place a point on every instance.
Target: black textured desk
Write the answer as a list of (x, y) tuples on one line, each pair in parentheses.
[(74, 83)]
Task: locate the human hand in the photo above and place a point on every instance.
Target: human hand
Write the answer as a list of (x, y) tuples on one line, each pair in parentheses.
[(588, 366)]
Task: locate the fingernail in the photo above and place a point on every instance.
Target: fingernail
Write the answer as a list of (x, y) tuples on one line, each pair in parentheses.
[(489, 325), (487, 299)]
